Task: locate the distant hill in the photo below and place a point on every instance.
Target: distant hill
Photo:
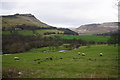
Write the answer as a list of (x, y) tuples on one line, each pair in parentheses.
[(90, 29), (22, 20)]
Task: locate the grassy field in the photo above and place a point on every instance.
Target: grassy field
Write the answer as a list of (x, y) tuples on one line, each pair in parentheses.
[(47, 30), (30, 32), (83, 37), (49, 49), (66, 64), (87, 37)]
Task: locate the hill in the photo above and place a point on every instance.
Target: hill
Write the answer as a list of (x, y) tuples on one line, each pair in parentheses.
[(19, 20), (90, 29)]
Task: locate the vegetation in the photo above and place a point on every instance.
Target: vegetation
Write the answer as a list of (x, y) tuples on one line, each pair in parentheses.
[(114, 39), (20, 19), (15, 43), (25, 40), (31, 32), (68, 64), (87, 37)]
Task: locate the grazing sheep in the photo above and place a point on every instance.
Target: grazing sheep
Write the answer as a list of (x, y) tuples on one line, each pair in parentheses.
[(35, 60), (47, 58), (50, 58), (19, 73), (101, 54), (92, 59), (74, 58), (78, 53), (16, 58), (83, 54), (60, 58), (38, 59), (38, 62)]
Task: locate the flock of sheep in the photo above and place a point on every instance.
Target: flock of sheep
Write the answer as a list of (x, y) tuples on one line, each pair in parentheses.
[(83, 54), (46, 59), (39, 60), (50, 58)]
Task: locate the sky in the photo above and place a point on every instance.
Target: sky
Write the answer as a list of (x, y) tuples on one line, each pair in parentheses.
[(64, 13)]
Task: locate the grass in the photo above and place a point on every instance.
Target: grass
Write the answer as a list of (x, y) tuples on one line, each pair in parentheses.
[(47, 30), (87, 37), (30, 32), (48, 49), (6, 32), (83, 37), (25, 32), (19, 20), (71, 65)]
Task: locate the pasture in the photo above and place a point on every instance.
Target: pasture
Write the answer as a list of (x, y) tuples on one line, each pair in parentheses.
[(67, 37), (68, 64), (30, 32), (87, 37)]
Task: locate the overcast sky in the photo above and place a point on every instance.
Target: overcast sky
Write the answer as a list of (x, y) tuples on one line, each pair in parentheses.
[(64, 13)]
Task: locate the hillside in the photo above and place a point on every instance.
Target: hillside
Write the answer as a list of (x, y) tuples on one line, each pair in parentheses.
[(90, 29), (24, 23), (21, 20)]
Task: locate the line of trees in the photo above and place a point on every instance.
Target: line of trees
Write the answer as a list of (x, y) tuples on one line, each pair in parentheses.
[(115, 38), (16, 43)]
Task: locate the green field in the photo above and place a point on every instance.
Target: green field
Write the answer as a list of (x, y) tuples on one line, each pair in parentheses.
[(71, 65), (49, 49), (47, 30), (30, 32), (41, 32), (87, 37)]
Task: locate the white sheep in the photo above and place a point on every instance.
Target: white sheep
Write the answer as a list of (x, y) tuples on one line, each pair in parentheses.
[(78, 53), (101, 54), (83, 54), (16, 58), (19, 73)]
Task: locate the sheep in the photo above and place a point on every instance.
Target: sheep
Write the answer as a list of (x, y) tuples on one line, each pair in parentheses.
[(38, 59), (78, 53), (50, 58), (76, 58), (16, 58), (35, 60), (38, 62), (47, 58), (92, 59), (61, 58), (101, 54), (83, 54), (19, 73)]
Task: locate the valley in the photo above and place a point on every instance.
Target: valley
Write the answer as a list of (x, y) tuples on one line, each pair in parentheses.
[(34, 49)]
